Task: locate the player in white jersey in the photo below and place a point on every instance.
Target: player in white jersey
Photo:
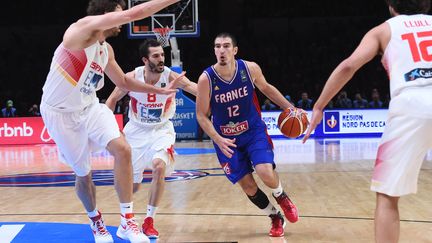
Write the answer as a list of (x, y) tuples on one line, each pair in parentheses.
[(75, 119), (404, 42), (149, 131)]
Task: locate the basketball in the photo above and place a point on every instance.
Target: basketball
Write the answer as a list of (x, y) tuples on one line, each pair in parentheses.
[(293, 122)]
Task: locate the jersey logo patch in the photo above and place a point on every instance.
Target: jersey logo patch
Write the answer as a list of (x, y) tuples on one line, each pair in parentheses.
[(233, 129), (243, 76), (418, 73), (216, 88)]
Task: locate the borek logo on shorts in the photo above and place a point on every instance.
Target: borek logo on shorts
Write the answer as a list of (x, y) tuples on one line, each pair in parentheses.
[(226, 168), (418, 73), (232, 128), (22, 131)]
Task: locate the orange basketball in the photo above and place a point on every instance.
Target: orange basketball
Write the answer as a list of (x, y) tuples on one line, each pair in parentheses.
[(293, 122)]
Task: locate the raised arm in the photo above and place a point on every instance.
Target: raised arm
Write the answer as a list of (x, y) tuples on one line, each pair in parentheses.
[(127, 82), (184, 83), (267, 89), (372, 44), (203, 110), (82, 33)]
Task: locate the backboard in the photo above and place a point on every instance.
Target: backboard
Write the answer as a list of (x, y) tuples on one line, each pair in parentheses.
[(181, 17)]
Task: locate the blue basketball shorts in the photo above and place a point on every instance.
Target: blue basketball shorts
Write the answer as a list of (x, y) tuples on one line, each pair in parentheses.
[(253, 148)]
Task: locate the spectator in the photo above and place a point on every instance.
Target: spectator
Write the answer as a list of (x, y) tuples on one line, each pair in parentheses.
[(330, 105), (288, 97), (268, 105), (34, 110), (9, 110), (343, 101), (376, 102), (386, 102), (359, 102), (305, 103)]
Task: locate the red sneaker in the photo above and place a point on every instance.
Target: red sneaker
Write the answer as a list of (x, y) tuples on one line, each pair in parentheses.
[(288, 207), (278, 225), (148, 228)]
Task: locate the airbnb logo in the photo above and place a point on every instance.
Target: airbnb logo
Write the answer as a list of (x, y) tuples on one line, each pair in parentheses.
[(45, 135), (22, 131)]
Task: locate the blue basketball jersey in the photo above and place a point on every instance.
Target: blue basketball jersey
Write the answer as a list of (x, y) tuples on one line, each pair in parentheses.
[(233, 103)]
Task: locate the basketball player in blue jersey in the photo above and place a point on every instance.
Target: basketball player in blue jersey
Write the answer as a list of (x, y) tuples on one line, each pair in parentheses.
[(404, 41), (75, 119), (226, 90)]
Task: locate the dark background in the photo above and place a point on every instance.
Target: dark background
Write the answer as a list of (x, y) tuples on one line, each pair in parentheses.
[(296, 43)]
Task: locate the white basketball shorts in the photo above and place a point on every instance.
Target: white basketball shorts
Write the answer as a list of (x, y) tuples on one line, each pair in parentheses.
[(149, 143), (403, 147), (79, 133)]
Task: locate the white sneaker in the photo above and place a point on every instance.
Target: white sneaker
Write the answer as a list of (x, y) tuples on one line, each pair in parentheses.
[(129, 230), (100, 232)]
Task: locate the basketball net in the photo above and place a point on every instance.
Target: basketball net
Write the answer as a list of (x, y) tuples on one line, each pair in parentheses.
[(163, 35)]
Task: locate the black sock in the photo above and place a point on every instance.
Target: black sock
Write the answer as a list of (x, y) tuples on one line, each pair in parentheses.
[(260, 199)]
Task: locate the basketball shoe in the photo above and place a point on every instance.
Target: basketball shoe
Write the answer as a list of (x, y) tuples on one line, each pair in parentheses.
[(148, 228), (100, 232), (278, 225), (129, 230), (288, 207)]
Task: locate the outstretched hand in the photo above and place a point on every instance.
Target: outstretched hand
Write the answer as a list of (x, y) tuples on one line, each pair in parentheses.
[(317, 115), (176, 82), (172, 86), (224, 145)]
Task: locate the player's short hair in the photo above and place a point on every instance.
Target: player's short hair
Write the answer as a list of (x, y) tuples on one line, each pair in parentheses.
[(225, 34), (145, 46), (410, 7), (98, 7)]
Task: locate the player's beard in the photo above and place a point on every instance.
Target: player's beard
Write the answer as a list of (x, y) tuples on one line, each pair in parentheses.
[(157, 68), (223, 60), (113, 32)]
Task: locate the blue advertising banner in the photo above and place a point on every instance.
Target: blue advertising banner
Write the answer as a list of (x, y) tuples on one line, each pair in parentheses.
[(184, 120)]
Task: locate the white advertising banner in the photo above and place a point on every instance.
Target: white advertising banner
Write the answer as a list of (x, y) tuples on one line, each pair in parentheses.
[(354, 121), (270, 118)]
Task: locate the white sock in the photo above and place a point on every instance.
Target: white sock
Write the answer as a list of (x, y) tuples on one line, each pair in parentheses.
[(270, 209), (93, 213), (126, 208), (151, 211), (278, 190)]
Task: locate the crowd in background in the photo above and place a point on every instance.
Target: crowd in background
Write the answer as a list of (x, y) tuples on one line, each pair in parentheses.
[(297, 47), (341, 101)]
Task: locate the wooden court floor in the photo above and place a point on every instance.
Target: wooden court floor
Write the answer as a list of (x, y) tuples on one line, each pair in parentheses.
[(327, 179)]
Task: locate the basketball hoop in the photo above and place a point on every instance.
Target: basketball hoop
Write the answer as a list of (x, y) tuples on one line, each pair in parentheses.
[(163, 35)]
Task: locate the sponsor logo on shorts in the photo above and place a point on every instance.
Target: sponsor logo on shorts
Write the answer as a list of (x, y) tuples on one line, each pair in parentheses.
[(226, 168), (232, 129), (418, 73)]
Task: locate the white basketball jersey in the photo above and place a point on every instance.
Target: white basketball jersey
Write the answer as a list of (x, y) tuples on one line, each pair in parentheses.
[(408, 56), (75, 76), (151, 109)]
